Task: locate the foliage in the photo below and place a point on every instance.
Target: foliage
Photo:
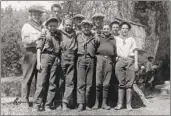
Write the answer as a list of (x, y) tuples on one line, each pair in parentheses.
[(153, 14)]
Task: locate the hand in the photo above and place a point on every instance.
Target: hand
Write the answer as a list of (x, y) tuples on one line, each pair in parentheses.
[(39, 67)]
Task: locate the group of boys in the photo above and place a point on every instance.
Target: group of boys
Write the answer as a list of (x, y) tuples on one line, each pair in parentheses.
[(68, 55)]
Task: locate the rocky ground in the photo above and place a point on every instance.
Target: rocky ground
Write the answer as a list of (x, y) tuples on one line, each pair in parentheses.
[(159, 105)]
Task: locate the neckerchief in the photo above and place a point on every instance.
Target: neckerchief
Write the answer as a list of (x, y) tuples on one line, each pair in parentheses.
[(67, 34), (107, 37), (35, 25)]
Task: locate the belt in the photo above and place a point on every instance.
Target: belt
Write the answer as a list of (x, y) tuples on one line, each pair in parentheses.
[(81, 55), (126, 58), (50, 52), (105, 56)]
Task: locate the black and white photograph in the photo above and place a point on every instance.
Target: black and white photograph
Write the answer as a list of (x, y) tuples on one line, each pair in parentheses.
[(78, 57)]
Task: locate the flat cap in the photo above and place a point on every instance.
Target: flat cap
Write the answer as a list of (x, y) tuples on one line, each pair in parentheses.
[(79, 16), (126, 23), (115, 22), (52, 19), (86, 22), (98, 15), (36, 9)]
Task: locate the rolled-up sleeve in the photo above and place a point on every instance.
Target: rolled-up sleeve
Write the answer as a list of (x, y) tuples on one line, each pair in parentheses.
[(40, 43)]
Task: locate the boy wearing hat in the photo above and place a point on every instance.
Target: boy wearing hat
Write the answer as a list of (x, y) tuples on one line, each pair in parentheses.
[(68, 60), (30, 33), (106, 53), (126, 65), (56, 12), (77, 21), (87, 47), (48, 56), (115, 28), (98, 23)]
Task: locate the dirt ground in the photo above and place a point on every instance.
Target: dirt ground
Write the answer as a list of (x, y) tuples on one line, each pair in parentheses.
[(159, 105)]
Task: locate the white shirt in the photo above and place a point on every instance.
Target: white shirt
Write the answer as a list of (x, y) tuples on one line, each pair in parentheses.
[(29, 34), (125, 49)]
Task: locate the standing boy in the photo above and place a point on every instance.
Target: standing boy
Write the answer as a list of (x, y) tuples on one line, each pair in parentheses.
[(115, 28), (106, 54), (69, 49), (30, 34), (87, 47), (77, 22), (126, 65), (48, 55)]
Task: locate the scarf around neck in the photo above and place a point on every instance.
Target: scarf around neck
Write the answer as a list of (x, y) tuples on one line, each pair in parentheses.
[(35, 24)]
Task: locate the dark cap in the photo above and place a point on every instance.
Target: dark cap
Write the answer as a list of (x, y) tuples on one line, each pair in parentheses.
[(36, 9), (98, 15), (125, 23), (52, 19), (87, 22), (115, 22), (79, 16)]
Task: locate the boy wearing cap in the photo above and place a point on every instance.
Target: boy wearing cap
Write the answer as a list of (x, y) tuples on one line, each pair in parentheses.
[(30, 33), (98, 23), (126, 65), (68, 59), (77, 21), (106, 53), (48, 56), (87, 47), (115, 28)]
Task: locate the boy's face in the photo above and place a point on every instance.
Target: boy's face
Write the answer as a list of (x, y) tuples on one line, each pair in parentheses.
[(98, 21), (52, 26), (106, 29), (68, 25), (124, 30), (36, 16), (56, 12), (86, 28), (115, 28), (77, 21)]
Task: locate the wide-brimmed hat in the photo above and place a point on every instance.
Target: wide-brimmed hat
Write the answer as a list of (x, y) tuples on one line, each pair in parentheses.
[(87, 22), (52, 19), (126, 23), (35, 9), (78, 16), (98, 15)]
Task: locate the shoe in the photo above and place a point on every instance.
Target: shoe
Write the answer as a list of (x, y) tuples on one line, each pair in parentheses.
[(80, 107), (106, 107), (59, 107), (48, 108), (36, 107), (95, 107), (64, 106), (88, 108)]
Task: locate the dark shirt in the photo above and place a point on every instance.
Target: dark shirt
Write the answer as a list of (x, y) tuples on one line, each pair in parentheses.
[(68, 41), (50, 42), (87, 45), (107, 45)]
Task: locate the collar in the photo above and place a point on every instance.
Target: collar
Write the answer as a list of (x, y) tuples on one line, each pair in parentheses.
[(67, 34)]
